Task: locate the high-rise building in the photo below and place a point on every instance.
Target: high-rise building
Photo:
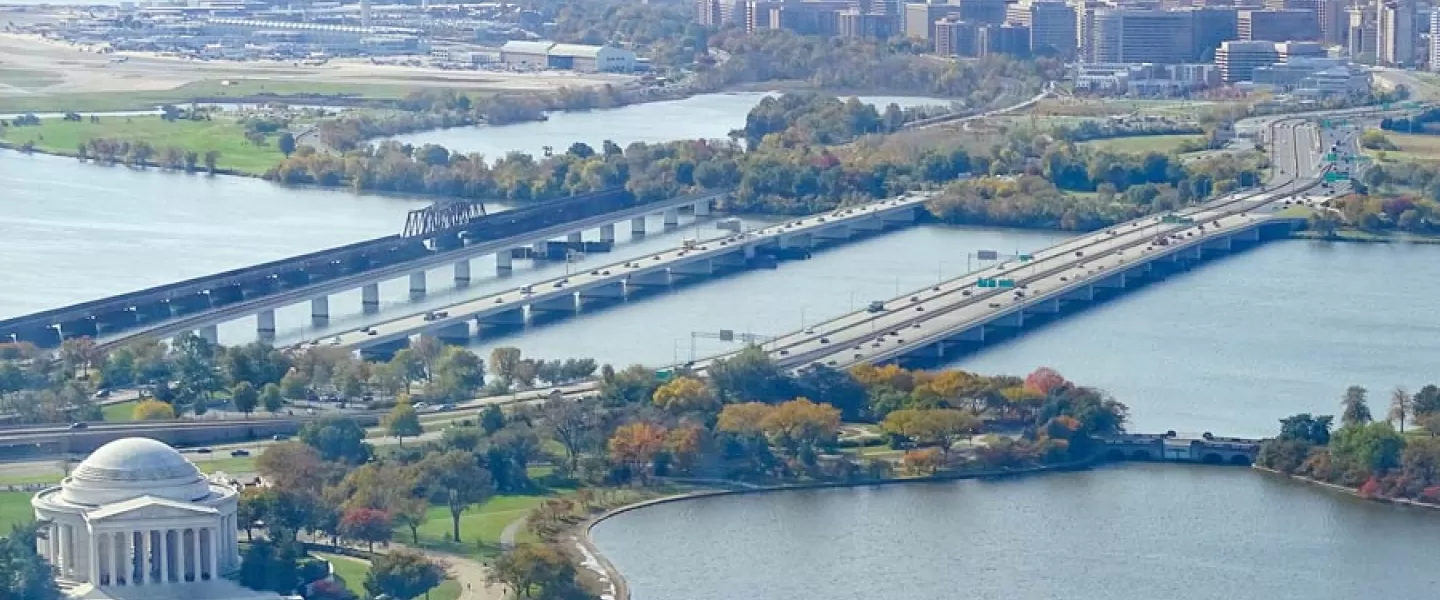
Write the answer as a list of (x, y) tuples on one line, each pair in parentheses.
[(1278, 25), (982, 12), (874, 25), (1213, 24), (1435, 39), (1238, 59), (1051, 24), (1141, 36), (1286, 51), (920, 18), (1334, 22), (1013, 40), (1360, 35), (1395, 39), (954, 37)]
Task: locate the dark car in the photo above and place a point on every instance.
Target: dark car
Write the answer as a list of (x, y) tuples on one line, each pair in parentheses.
[(79, 425), (239, 453)]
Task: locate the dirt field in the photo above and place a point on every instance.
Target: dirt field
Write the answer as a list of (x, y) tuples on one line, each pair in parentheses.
[(32, 68)]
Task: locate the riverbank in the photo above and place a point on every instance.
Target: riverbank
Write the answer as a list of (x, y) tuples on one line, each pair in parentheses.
[(1366, 237), (1346, 490)]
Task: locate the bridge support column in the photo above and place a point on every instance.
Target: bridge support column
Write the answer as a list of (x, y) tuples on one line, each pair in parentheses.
[(574, 238), (417, 283), (209, 333), (462, 272), (672, 218), (320, 309), (503, 260), (265, 324), (637, 226), (702, 208), (607, 233), (370, 297), (540, 249), (1116, 281)]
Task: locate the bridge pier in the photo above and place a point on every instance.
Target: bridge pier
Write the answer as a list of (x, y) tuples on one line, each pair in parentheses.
[(637, 226), (574, 237), (417, 284), (462, 273), (507, 318), (564, 303), (973, 334), (702, 208), (78, 328), (504, 262), (802, 240), (265, 324), (672, 218), (607, 233), (905, 216), (1116, 281), (599, 295), (320, 310), (702, 267), (209, 333), (1247, 235), (455, 333), (1219, 244), (869, 224), (540, 250), (648, 279), (1043, 307), (837, 233), (370, 298)]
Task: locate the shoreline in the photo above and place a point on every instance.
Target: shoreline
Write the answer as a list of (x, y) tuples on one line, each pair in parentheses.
[(1359, 237), (582, 534), (1346, 490)]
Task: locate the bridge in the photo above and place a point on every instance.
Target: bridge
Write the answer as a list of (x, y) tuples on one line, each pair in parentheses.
[(696, 259), (947, 319), (1171, 447), (201, 304)]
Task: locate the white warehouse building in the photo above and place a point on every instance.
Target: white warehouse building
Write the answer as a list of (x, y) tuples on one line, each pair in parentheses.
[(570, 57)]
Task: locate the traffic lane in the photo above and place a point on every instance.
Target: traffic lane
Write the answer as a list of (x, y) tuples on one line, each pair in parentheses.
[(608, 274)]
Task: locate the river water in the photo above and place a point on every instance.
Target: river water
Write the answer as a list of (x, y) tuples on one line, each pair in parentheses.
[(1134, 532), (708, 116)]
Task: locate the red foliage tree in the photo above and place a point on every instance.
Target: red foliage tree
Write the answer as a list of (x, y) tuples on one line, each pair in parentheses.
[(366, 525), (1045, 380), (1371, 488)]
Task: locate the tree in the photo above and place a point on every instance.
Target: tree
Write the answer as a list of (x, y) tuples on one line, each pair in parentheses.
[(212, 158), (266, 565), (410, 512), (271, 398), (1357, 410), (635, 445), (402, 574), (750, 375), (1400, 407), (294, 466), (1306, 428), (366, 525), (294, 386), (286, 144), (466, 439), (503, 361), (686, 394), (801, 423), (1426, 401), (244, 396), (403, 421), (941, 426), (1045, 380), (534, 571), (458, 480), (1365, 449), (152, 410), (337, 438), (492, 419), (746, 419), (24, 574), (834, 387), (458, 373), (571, 424)]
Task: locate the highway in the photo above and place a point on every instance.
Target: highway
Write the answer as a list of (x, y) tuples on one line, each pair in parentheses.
[(561, 292), (927, 316)]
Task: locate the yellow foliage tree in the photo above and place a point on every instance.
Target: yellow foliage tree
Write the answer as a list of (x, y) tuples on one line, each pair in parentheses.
[(801, 422), (685, 394), (152, 410), (891, 376), (747, 418)]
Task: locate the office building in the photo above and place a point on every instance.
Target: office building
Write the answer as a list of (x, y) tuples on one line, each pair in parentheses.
[(855, 24), (1051, 24), (1395, 39), (981, 12), (1435, 39), (1278, 25), (919, 20), (954, 37), (1360, 35), (1013, 40), (1140, 36), (1213, 24), (1238, 59), (1315, 78), (1334, 21)]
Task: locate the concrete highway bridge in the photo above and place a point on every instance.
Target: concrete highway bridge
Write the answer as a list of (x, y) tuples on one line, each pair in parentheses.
[(598, 286), (203, 303)]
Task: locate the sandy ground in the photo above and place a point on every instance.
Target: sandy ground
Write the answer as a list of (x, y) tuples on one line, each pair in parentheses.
[(72, 69)]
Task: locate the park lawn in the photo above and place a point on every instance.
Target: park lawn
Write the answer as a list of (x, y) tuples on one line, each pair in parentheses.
[(222, 134), (212, 89), (119, 412), (352, 571), (15, 509), (1413, 147), (480, 526), (1141, 144)]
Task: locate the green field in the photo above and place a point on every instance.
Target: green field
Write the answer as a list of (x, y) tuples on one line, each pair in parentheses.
[(1141, 144), (119, 412), (229, 464), (222, 134), (15, 510), (480, 526), (209, 89)]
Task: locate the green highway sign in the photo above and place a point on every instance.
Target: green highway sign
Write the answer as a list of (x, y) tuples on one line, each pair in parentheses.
[(1330, 157), (986, 283), (664, 375), (1007, 283), (1026, 258), (1336, 177)]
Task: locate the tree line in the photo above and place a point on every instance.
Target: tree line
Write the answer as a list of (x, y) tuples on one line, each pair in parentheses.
[(1376, 456), (137, 153)]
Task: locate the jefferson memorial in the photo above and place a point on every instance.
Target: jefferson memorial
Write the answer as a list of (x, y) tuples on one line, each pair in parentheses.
[(138, 521)]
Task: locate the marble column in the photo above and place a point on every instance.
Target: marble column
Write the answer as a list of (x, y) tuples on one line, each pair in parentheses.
[(53, 546), (67, 550), (117, 552), (214, 553), (145, 576), (164, 556), (94, 564)]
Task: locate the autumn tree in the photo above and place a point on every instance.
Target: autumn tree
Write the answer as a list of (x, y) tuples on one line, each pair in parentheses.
[(293, 465), (403, 421), (941, 427), (746, 419), (152, 410), (685, 394), (503, 361), (684, 445), (801, 423), (925, 461), (366, 525), (1045, 381), (535, 571), (570, 423), (402, 574), (456, 479), (1400, 407), (1356, 407), (271, 398), (635, 445)]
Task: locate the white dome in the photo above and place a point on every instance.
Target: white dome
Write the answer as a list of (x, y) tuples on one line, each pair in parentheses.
[(133, 467)]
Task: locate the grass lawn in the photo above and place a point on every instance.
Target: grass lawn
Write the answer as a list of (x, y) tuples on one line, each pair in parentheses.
[(1417, 147), (222, 134), (352, 572), (119, 412), (15, 510), (480, 526), (208, 89), (1141, 144)]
